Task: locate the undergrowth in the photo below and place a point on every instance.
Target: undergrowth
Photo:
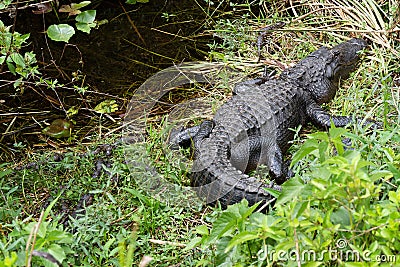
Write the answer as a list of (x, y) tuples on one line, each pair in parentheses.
[(118, 226), (341, 208)]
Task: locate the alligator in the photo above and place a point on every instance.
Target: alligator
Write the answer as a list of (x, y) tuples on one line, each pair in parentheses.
[(255, 125)]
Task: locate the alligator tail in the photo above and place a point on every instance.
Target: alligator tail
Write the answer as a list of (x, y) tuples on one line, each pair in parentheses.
[(214, 178)]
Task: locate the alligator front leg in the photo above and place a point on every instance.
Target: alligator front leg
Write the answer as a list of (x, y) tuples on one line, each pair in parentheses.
[(323, 119)]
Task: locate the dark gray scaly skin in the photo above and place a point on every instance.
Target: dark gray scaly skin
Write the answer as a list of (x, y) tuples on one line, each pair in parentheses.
[(252, 127)]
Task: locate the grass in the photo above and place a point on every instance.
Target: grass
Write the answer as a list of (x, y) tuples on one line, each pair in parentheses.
[(120, 212), (124, 223)]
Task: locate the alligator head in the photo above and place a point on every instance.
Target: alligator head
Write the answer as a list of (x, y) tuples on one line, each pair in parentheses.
[(322, 70)]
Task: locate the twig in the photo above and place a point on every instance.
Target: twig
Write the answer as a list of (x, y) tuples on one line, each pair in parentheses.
[(29, 113), (162, 242), (33, 235), (172, 34), (8, 129), (145, 261), (132, 24), (123, 217)]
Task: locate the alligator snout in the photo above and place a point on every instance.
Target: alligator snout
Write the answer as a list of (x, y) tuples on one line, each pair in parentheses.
[(349, 51)]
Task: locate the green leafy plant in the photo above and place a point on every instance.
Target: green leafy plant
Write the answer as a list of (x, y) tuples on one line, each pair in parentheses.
[(348, 207), (85, 21), (41, 243), (23, 65), (107, 106), (5, 3)]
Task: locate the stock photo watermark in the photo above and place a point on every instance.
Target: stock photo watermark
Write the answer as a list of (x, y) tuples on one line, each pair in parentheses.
[(140, 106), (341, 252)]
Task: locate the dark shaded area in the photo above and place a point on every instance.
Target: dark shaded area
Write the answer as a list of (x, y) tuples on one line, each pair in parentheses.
[(112, 61)]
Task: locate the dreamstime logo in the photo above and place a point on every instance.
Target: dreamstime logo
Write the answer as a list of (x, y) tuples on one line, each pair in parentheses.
[(136, 129), (341, 243), (341, 252)]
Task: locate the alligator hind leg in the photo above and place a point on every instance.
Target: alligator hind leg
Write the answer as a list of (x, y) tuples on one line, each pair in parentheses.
[(278, 169), (205, 128), (257, 150)]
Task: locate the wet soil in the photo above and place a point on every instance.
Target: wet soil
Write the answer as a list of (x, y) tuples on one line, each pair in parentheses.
[(112, 61)]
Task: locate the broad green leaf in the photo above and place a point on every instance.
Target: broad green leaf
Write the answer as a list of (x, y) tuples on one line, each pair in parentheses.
[(11, 67), (18, 59), (85, 27), (272, 192), (341, 216), (241, 238), (227, 221), (41, 231), (322, 136), (244, 209), (59, 128), (322, 147), (393, 196), (292, 189), (299, 209), (336, 133), (80, 5), (87, 16), (194, 242), (386, 233), (231, 258), (57, 252), (202, 230), (60, 32), (385, 175), (10, 261), (309, 146), (58, 235)]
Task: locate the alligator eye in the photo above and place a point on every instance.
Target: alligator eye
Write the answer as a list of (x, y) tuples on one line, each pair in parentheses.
[(335, 55)]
